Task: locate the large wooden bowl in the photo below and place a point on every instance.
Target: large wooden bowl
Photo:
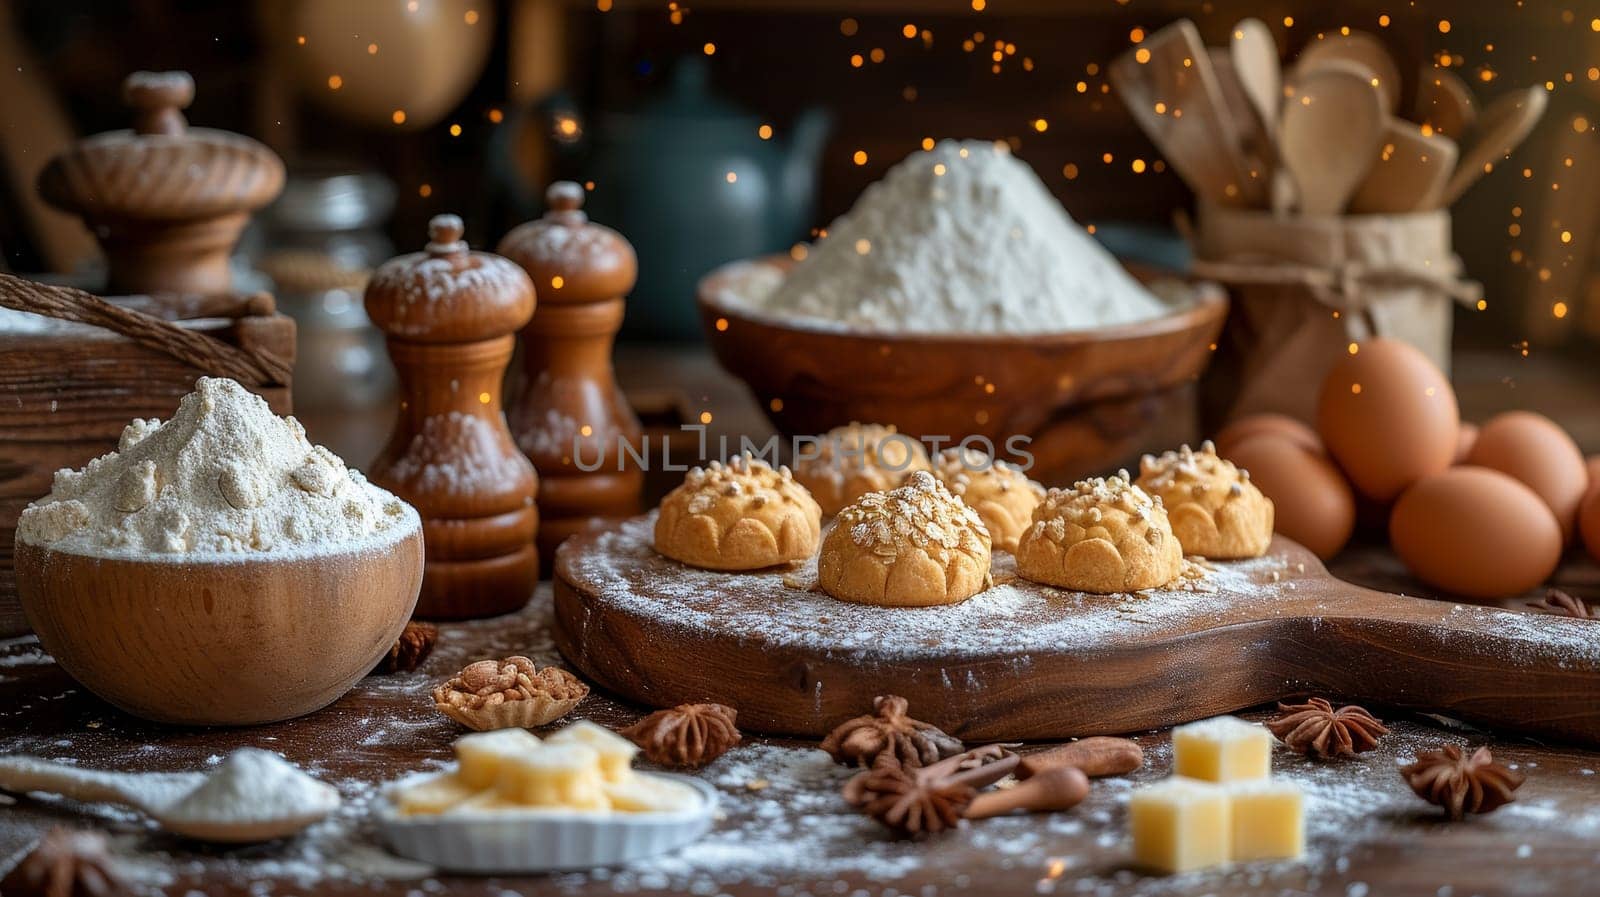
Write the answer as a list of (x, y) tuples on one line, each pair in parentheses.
[(221, 642), (1087, 400)]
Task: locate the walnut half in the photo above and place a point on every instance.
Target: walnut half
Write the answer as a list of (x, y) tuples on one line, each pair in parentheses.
[(507, 694)]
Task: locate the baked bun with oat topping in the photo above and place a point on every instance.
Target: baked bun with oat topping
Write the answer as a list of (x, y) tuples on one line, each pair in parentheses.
[(914, 546), (1214, 509), (742, 515), (855, 459), (1104, 535), (1001, 494)]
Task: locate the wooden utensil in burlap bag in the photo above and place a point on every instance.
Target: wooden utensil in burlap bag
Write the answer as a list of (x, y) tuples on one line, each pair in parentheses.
[(1304, 288)]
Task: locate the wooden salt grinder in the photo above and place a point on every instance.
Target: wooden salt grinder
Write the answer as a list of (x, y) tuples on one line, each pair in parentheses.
[(569, 401), (451, 316)]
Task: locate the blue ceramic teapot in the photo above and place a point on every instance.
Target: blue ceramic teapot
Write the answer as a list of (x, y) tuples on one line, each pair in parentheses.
[(690, 181)]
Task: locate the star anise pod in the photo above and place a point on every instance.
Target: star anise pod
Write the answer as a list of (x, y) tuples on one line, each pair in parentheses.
[(66, 863), (909, 804), (410, 649), (1316, 729), (1462, 784), (913, 742), (688, 736), (1563, 604)]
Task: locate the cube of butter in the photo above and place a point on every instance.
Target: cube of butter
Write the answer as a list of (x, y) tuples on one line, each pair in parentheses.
[(432, 795), (1179, 824), (481, 755), (554, 775), (1222, 749), (616, 753), (1269, 820), (643, 793)]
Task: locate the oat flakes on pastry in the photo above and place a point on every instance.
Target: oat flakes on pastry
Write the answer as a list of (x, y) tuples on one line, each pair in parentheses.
[(850, 461), (1001, 494), (1214, 509), (1103, 535), (913, 546), (508, 694), (742, 515)]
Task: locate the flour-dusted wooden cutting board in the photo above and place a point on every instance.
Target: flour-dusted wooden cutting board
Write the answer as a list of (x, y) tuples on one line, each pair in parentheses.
[(1023, 661)]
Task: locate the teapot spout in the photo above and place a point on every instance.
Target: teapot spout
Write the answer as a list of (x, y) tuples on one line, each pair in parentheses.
[(798, 178)]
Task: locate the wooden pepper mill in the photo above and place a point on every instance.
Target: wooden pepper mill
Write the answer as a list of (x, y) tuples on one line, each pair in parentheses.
[(451, 317), (569, 416), (166, 201)]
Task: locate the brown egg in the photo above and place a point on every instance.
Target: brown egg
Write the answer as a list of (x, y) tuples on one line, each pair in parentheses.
[(1593, 465), (1535, 450), (1476, 532), (1313, 504), (1240, 429), (1467, 438), (1388, 416), (1589, 522)]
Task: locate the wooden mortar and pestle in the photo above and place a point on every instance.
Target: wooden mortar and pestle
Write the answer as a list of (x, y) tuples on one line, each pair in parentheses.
[(567, 414), (450, 316)]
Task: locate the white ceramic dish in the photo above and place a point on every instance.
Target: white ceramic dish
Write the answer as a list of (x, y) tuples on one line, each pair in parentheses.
[(525, 842)]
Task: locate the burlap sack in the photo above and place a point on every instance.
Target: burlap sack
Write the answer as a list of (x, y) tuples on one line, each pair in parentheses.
[(1304, 288)]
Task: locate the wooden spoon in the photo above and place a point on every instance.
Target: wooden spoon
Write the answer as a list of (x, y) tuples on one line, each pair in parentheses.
[(1408, 173), (1444, 102), (1255, 61), (1504, 124), (161, 796), (1358, 47), (1328, 134), (1194, 130)]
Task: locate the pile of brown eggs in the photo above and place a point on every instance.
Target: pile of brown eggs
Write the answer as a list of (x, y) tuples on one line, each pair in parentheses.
[(1478, 511)]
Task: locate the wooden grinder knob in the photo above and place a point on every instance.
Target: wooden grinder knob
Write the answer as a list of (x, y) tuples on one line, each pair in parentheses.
[(166, 201), (568, 414), (451, 316)]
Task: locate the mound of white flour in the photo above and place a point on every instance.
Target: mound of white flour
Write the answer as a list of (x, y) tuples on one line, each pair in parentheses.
[(224, 475), (961, 238)]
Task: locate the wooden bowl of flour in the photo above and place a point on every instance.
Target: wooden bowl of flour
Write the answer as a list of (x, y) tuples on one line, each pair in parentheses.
[(223, 639), (1079, 402)]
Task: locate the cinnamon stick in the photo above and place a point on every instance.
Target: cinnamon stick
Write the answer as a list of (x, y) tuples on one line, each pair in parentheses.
[(1097, 757)]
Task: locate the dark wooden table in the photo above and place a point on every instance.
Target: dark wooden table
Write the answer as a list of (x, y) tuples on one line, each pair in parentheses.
[(784, 832)]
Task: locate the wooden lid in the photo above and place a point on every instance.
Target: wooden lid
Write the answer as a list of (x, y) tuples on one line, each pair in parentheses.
[(447, 293), (162, 169), (569, 257)]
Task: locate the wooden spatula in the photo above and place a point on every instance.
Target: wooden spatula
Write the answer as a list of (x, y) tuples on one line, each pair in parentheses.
[(1409, 171), (1444, 102), (1358, 47), (1504, 124), (1329, 132), (1251, 135), (1194, 131)]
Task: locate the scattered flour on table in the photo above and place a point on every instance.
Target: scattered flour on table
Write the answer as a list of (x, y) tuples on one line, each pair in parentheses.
[(961, 238), (224, 476)]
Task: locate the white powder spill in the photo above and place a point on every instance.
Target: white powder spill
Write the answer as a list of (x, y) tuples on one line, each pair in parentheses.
[(964, 238)]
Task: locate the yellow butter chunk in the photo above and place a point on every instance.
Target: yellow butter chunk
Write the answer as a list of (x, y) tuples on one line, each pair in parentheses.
[(480, 756), (433, 795), (1180, 824), (1269, 820), (616, 753), (554, 775), (650, 794), (1222, 749)]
